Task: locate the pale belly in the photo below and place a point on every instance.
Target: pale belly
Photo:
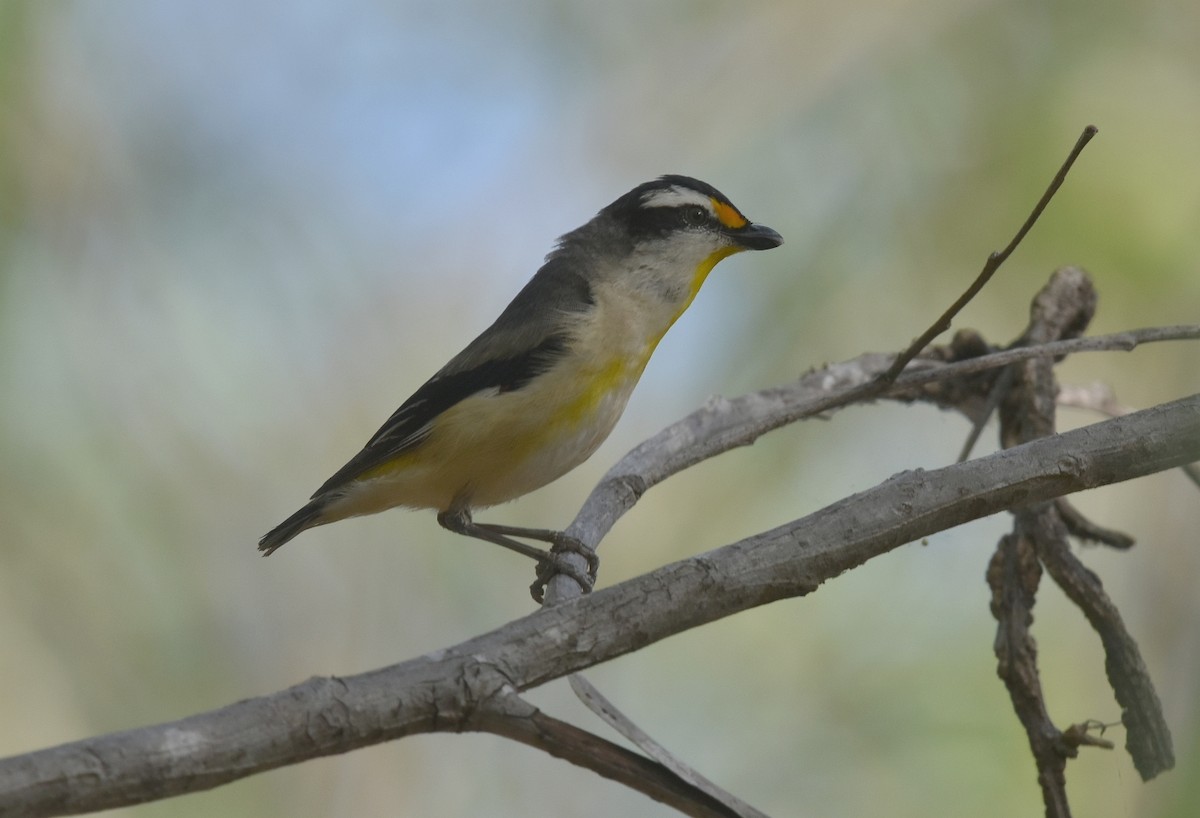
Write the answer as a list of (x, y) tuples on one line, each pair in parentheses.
[(552, 452)]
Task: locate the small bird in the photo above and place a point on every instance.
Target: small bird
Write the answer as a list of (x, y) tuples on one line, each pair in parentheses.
[(541, 388)]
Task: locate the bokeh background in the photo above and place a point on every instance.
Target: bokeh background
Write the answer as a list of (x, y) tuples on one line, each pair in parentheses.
[(235, 235)]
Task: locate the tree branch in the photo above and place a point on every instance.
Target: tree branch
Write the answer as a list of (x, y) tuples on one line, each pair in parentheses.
[(1013, 575), (443, 691), (1147, 738), (723, 423), (1063, 308)]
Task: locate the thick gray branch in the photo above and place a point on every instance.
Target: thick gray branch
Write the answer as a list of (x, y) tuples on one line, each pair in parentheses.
[(450, 690)]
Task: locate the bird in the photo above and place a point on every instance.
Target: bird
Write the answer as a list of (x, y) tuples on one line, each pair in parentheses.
[(538, 391)]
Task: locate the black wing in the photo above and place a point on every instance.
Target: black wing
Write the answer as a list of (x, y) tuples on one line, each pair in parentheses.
[(526, 340)]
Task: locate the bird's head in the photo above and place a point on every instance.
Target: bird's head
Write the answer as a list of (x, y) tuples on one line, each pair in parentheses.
[(664, 237), (680, 210)]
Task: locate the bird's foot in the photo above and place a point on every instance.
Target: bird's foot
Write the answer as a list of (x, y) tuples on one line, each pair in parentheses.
[(556, 563)]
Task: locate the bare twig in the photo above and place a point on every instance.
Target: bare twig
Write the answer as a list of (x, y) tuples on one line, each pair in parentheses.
[(1124, 341), (1097, 397), (1080, 734), (995, 395), (512, 717), (1083, 529), (610, 714), (993, 263)]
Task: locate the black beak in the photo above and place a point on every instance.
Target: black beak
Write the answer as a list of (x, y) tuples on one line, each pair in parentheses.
[(756, 237)]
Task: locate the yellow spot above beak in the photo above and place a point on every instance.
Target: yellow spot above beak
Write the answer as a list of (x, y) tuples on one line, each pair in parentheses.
[(727, 214)]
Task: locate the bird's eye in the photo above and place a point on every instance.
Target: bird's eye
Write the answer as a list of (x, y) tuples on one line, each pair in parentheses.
[(695, 216)]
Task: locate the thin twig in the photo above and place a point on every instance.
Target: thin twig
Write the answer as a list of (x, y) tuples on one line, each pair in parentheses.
[(1080, 734), (995, 395), (993, 263), (611, 715), (1084, 530), (1124, 341), (1096, 397), (512, 717)]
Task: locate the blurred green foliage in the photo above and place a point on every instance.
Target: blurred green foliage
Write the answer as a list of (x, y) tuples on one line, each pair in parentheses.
[(233, 236)]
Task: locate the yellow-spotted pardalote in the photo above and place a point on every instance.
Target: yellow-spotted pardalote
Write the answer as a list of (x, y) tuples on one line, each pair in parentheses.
[(534, 395)]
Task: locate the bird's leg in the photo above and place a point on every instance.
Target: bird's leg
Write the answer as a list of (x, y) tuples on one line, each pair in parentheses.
[(559, 541), (549, 562)]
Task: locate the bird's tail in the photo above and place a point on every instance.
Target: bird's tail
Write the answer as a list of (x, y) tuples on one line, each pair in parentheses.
[(306, 517)]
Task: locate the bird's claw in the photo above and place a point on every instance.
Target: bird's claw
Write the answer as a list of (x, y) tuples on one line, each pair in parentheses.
[(564, 544), (556, 564)]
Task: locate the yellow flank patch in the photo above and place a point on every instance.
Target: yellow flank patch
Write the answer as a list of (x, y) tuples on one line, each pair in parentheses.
[(727, 214), (600, 385), (396, 464)]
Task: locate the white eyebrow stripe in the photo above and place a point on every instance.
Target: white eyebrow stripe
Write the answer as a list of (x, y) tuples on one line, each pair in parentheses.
[(676, 196)]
